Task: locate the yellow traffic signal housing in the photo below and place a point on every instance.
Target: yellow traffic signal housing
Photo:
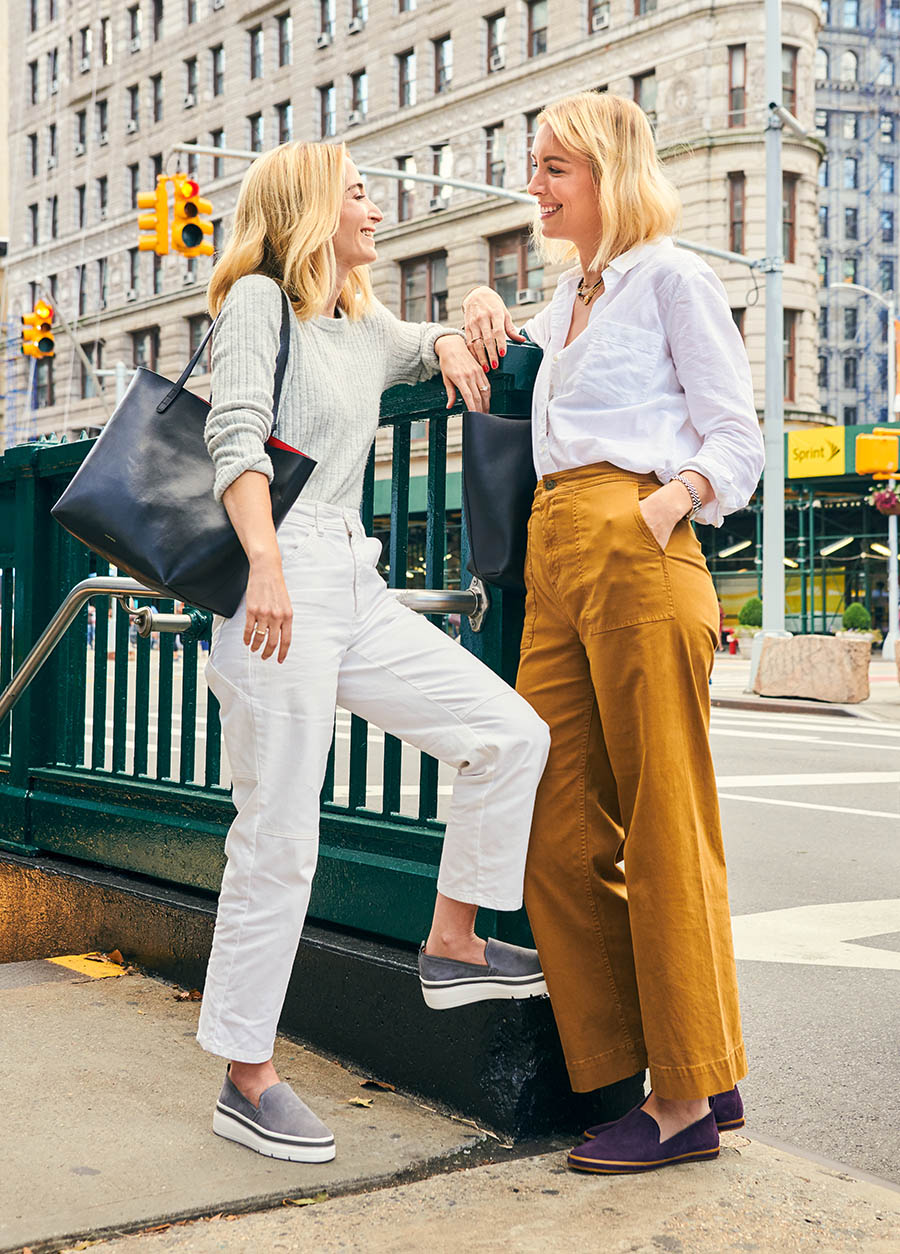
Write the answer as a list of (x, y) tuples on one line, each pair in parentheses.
[(157, 222), (37, 332), (188, 230), (878, 453)]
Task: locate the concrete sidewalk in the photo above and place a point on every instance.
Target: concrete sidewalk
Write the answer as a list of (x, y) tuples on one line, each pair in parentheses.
[(106, 1132), (731, 675)]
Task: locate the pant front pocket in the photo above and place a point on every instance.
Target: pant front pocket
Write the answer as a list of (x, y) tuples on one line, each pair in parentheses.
[(622, 572)]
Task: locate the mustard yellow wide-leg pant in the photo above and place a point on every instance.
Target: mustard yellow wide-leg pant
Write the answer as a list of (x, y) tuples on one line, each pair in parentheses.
[(625, 883)]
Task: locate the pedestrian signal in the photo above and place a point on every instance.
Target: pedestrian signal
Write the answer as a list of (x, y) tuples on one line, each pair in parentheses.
[(37, 333), (156, 224), (189, 231)]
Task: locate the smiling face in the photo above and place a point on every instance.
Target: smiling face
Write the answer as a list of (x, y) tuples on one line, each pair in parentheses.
[(564, 187), (354, 241)]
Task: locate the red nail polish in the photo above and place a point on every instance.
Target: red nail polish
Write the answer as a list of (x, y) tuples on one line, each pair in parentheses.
[(502, 352), (494, 364), (485, 369)]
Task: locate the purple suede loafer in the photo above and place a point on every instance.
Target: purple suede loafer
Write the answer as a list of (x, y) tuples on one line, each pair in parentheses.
[(632, 1144), (727, 1108)]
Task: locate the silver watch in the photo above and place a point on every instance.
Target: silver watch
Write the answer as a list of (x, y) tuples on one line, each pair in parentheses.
[(696, 503)]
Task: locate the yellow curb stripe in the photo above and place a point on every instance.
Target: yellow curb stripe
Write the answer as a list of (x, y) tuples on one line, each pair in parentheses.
[(88, 964)]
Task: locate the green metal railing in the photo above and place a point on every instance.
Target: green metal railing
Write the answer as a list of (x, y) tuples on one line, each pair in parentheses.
[(114, 753)]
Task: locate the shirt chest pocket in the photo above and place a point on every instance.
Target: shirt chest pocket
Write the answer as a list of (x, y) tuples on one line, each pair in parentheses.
[(618, 365)]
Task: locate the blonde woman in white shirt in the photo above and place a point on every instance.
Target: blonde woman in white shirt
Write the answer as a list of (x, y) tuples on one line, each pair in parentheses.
[(643, 420)]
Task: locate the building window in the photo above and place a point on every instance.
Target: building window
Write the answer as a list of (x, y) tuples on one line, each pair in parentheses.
[(134, 27), (190, 81), (886, 175), (495, 155), (157, 275), (849, 66), (887, 128), (43, 383), (790, 337), (101, 111), (85, 40), (156, 90), (736, 187), (33, 154), (145, 347), (850, 125), (406, 190), (285, 27), (105, 41), (406, 78), (255, 38), (442, 167), (851, 173), (53, 216), (217, 140), (192, 160), (51, 141), (406, 6), (851, 322), (102, 282), (823, 172), (255, 131), (33, 227), (820, 64), (530, 132), (327, 111), (514, 266), (850, 15), (53, 71), (134, 184), (642, 7), (33, 82), (850, 269), (739, 317), (645, 93), (849, 415), (198, 325), (495, 26), (850, 372), (886, 222), (80, 131), (32, 16), (359, 9), (80, 207), (443, 64), (134, 282), (359, 93), (892, 15), (737, 85), (156, 166), (102, 196), (823, 372), (537, 27), (823, 221), (822, 270), (94, 353), (823, 322), (218, 238), (885, 274), (789, 215), (598, 16), (191, 11), (134, 106), (157, 20), (423, 289), (789, 79), (284, 122), (217, 65), (851, 223), (885, 75), (326, 18)]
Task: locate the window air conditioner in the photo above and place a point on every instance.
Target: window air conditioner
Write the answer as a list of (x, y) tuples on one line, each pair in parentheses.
[(528, 295), (54, 86), (355, 25), (187, 277), (599, 21), (131, 294), (135, 44), (218, 4), (323, 40), (498, 60), (51, 162), (190, 100), (131, 126), (437, 203), (102, 213), (103, 139), (355, 117), (79, 149), (85, 64)]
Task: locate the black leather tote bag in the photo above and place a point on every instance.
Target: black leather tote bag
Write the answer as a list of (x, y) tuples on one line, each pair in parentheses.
[(143, 496), (498, 490)]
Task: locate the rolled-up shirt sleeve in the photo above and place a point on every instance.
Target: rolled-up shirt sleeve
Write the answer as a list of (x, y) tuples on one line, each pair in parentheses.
[(244, 350), (712, 367), (537, 329)]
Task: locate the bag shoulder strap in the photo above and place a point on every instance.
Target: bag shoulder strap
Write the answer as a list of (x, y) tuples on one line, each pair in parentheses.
[(280, 361)]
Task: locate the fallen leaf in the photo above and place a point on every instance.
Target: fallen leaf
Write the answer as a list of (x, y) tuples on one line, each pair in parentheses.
[(115, 956), (193, 995), (377, 1084), (304, 1201), (360, 1101)]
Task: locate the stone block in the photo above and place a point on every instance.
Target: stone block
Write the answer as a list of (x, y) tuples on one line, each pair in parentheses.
[(820, 668)]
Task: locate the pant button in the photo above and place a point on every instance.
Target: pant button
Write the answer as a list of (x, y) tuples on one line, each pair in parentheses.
[(549, 483)]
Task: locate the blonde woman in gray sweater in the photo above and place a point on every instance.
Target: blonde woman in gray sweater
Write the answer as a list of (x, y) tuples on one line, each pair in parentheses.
[(319, 628)]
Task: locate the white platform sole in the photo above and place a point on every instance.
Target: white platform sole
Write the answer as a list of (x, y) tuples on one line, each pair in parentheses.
[(234, 1130), (448, 995)]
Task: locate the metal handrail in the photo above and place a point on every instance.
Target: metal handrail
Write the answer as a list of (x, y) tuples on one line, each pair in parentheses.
[(472, 601)]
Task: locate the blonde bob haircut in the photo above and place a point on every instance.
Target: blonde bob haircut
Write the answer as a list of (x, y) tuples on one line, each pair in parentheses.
[(287, 213), (636, 200)]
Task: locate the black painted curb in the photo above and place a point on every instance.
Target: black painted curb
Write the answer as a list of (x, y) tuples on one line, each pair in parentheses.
[(352, 996)]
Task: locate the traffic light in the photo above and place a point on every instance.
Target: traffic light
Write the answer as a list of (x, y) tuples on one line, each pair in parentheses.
[(157, 222), (37, 334), (188, 230)]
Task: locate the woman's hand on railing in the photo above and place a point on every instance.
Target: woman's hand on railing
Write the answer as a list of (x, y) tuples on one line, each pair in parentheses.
[(461, 371), (488, 325), (269, 612)]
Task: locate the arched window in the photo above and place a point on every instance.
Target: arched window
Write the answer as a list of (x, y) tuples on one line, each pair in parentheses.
[(849, 66), (821, 64), (885, 76)]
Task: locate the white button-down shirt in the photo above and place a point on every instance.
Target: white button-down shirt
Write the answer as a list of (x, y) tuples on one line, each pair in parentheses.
[(658, 381)]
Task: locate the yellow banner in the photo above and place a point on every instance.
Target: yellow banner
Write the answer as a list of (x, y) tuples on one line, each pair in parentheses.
[(817, 452)]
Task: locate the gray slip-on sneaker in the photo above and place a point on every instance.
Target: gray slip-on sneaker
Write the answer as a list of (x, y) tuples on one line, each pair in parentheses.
[(280, 1127), (511, 972)]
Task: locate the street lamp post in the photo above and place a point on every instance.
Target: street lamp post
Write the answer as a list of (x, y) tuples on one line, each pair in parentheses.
[(891, 641)]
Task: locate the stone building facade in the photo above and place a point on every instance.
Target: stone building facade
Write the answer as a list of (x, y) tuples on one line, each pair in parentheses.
[(101, 91)]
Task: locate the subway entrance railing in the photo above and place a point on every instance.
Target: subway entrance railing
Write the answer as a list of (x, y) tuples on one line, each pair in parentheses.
[(114, 755)]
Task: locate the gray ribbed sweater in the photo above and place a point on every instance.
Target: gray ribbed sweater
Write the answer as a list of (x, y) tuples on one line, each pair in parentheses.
[(330, 400)]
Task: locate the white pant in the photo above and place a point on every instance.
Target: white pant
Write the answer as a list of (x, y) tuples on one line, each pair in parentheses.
[(353, 645)]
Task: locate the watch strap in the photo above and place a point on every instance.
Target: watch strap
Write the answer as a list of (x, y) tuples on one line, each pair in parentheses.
[(696, 503)]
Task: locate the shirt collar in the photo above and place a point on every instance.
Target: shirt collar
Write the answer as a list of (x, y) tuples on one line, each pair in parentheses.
[(628, 260)]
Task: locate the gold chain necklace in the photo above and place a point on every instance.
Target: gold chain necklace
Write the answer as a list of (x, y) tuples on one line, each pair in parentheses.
[(587, 296)]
